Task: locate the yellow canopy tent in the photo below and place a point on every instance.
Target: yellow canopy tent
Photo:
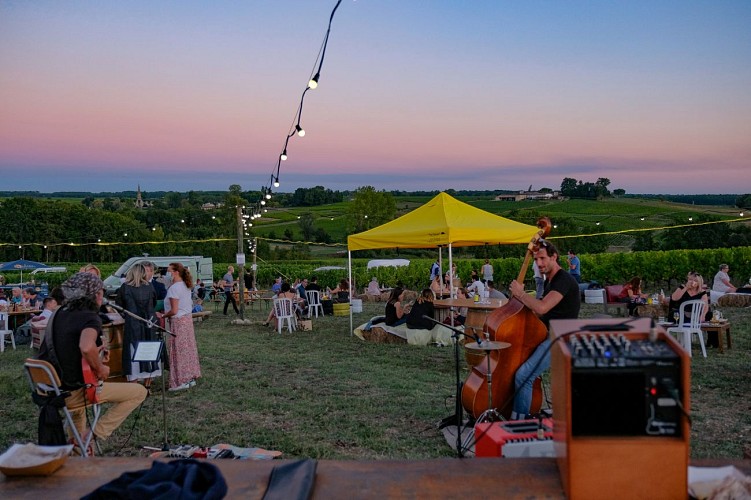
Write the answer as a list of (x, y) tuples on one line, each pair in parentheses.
[(443, 221)]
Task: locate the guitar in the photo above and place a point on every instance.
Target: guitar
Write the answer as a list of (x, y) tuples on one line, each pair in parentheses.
[(92, 385)]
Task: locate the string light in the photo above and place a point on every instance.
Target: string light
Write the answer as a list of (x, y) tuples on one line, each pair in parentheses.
[(297, 129)]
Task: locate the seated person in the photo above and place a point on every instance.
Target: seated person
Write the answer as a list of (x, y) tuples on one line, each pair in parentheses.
[(3, 301), (693, 289), (458, 316), (313, 284), (473, 276), (476, 286), (50, 305), (423, 306), (16, 296), (395, 313), (341, 292), (632, 295), (285, 292), (277, 286), (30, 294), (438, 287), (373, 288), (494, 293), (76, 336), (722, 282), (197, 306), (301, 289)]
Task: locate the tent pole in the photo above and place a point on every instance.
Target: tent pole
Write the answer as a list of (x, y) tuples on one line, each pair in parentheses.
[(351, 296), (440, 263), (451, 275)]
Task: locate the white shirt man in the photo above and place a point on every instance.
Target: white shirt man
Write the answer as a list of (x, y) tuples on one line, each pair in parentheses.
[(476, 286)]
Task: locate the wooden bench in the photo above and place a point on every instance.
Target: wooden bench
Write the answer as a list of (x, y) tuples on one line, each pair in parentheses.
[(200, 316), (609, 300)]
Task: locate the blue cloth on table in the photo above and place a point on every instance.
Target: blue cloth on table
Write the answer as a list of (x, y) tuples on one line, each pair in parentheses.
[(181, 479)]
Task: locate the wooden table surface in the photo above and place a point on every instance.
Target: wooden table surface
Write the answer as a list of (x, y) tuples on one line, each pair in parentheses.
[(469, 303), (441, 478)]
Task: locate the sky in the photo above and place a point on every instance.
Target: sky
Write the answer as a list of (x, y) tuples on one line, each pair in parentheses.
[(414, 94)]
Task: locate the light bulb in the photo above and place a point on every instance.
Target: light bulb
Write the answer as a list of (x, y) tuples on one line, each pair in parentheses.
[(263, 202), (300, 130), (264, 211), (313, 83), (276, 182), (284, 155)]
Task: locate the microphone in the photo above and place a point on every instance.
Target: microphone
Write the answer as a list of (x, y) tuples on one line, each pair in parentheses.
[(112, 305)]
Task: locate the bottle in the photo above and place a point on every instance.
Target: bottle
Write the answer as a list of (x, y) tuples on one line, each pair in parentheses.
[(477, 297)]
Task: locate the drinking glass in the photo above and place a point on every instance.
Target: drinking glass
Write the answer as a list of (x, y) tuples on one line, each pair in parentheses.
[(675, 317)]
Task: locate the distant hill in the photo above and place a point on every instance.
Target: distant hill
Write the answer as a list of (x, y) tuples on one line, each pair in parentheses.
[(689, 199)]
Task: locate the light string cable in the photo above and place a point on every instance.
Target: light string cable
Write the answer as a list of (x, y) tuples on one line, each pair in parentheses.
[(296, 128)]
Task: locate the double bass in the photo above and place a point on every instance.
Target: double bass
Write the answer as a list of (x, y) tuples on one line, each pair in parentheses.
[(518, 325)]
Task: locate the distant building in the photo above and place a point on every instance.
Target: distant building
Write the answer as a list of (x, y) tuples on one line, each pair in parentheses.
[(140, 202), (530, 195), (211, 206)]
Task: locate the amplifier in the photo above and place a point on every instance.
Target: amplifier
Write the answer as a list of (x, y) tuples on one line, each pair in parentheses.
[(620, 398), (622, 386), (514, 438)]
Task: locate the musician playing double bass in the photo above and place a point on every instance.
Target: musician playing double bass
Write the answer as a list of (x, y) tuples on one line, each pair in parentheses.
[(560, 300)]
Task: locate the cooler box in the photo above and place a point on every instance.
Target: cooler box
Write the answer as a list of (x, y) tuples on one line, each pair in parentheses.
[(593, 296), (342, 309), (356, 305)]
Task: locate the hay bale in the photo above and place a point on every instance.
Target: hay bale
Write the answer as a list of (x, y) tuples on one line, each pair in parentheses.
[(381, 336), (735, 300)]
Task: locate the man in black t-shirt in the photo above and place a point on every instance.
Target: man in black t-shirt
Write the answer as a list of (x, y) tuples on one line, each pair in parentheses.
[(76, 335), (560, 300)]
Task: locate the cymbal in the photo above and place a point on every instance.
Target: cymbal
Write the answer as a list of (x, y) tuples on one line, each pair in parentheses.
[(488, 345)]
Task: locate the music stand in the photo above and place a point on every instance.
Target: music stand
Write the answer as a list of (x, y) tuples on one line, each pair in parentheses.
[(148, 350)]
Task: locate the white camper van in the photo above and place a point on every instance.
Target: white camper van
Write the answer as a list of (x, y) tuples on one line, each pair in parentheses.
[(200, 267)]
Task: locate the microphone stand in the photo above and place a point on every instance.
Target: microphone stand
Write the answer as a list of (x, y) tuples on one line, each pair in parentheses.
[(458, 416), (160, 332)]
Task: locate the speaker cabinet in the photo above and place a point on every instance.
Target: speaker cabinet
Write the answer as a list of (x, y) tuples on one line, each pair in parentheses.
[(619, 430)]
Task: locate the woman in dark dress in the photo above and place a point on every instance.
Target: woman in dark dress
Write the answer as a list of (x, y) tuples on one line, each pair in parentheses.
[(137, 296), (395, 313), (423, 306)]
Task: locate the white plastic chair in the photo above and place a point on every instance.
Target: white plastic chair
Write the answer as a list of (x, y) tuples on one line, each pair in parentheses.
[(314, 302), (284, 311), (687, 328), (4, 330)]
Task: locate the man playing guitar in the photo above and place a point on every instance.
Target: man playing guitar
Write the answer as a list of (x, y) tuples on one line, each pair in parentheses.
[(74, 336)]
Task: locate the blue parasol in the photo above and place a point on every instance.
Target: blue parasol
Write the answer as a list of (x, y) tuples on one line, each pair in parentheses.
[(21, 265)]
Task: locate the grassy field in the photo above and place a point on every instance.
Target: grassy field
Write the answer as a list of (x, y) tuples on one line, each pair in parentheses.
[(326, 394)]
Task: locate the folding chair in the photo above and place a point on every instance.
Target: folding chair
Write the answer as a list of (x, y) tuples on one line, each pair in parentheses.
[(686, 329), (6, 331), (284, 310), (45, 382), (314, 302)]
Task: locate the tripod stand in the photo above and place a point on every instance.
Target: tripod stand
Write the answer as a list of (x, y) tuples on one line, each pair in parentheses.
[(490, 414), (160, 332), (458, 416)]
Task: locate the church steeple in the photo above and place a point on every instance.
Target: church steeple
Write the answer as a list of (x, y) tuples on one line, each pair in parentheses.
[(139, 200)]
